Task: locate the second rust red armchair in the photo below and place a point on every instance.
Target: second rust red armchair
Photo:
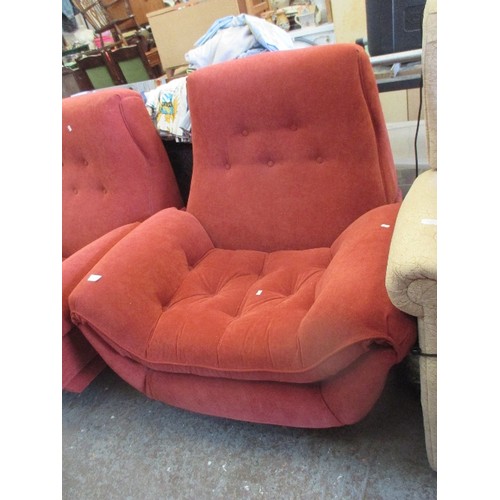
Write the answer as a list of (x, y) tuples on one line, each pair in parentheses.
[(115, 174)]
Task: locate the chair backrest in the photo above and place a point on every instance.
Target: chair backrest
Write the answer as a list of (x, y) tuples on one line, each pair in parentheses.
[(71, 82), (133, 63), (429, 69), (289, 147), (100, 70), (115, 167), (115, 15), (120, 12), (94, 13)]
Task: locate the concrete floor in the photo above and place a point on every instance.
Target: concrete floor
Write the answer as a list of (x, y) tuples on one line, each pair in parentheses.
[(117, 444)]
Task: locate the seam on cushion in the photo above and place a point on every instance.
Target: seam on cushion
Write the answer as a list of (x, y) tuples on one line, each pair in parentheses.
[(160, 366), (397, 345), (328, 406), (268, 329), (299, 348), (153, 329), (332, 256), (190, 268), (152, 332), (363, 88), (309, 277), (143, 152), (238, 312), (177, 340), (297, 337), (147, 386)]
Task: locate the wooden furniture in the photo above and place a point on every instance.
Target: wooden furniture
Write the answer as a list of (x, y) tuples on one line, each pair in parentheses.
[(141, 8), (256, 7), (107, 68), (115, 16), (99, 71), (73, 81), (176, 29), (153, 57), (132, 63)]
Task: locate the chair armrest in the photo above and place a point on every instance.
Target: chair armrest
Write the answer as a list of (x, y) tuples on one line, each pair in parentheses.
[(352, 292), (411, 278), (75, 267), (138, 276)]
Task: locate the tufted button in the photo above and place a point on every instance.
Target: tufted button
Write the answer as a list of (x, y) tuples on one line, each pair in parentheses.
[(294, 127), (227, 166), (85, 162), (75, 191), (270, 163), (104, 190), (244, 132), (320, 159)]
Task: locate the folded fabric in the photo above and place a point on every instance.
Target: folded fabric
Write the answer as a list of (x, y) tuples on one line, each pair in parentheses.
[(67, 9), (234, 37)]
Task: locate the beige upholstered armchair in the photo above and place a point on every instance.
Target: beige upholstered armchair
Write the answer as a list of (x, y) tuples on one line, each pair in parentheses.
[(412, 269)]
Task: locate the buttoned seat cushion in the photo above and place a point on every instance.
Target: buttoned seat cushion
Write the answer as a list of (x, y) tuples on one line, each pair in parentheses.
[(245, 315)]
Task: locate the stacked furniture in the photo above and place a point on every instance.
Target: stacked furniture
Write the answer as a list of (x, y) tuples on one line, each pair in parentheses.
[(115, 16)]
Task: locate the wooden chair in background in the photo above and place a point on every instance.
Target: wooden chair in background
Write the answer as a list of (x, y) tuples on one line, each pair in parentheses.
[(133, 63), (115, 16), (100, 71), (106, 68)]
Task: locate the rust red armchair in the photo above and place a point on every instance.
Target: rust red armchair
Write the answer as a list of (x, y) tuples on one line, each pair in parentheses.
[(115, 174), (265, 300)]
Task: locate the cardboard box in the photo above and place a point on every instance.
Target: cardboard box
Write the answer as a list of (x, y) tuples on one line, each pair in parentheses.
[(176, 29)]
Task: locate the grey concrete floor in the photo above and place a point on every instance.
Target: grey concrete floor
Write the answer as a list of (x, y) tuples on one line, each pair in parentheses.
[(118, 444)]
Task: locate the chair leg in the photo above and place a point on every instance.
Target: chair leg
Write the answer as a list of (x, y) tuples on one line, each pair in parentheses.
[(120, 36)]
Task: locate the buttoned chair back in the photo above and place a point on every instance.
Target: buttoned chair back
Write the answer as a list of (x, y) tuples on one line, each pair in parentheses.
[(292, 162), (115, 167)]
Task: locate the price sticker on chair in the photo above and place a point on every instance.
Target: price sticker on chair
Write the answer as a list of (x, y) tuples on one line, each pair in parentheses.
[(94, 277)]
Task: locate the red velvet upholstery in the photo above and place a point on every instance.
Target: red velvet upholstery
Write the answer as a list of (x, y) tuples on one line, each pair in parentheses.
[(115, 173), (265, 300)]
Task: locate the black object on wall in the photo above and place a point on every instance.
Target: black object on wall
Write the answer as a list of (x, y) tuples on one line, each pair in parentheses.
[(394, 25)]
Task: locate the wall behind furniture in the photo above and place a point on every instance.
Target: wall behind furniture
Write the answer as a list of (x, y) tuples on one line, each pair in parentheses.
[(349, 18)]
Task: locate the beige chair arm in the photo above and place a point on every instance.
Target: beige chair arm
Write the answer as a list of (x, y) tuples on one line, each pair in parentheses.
[(411, 278)]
